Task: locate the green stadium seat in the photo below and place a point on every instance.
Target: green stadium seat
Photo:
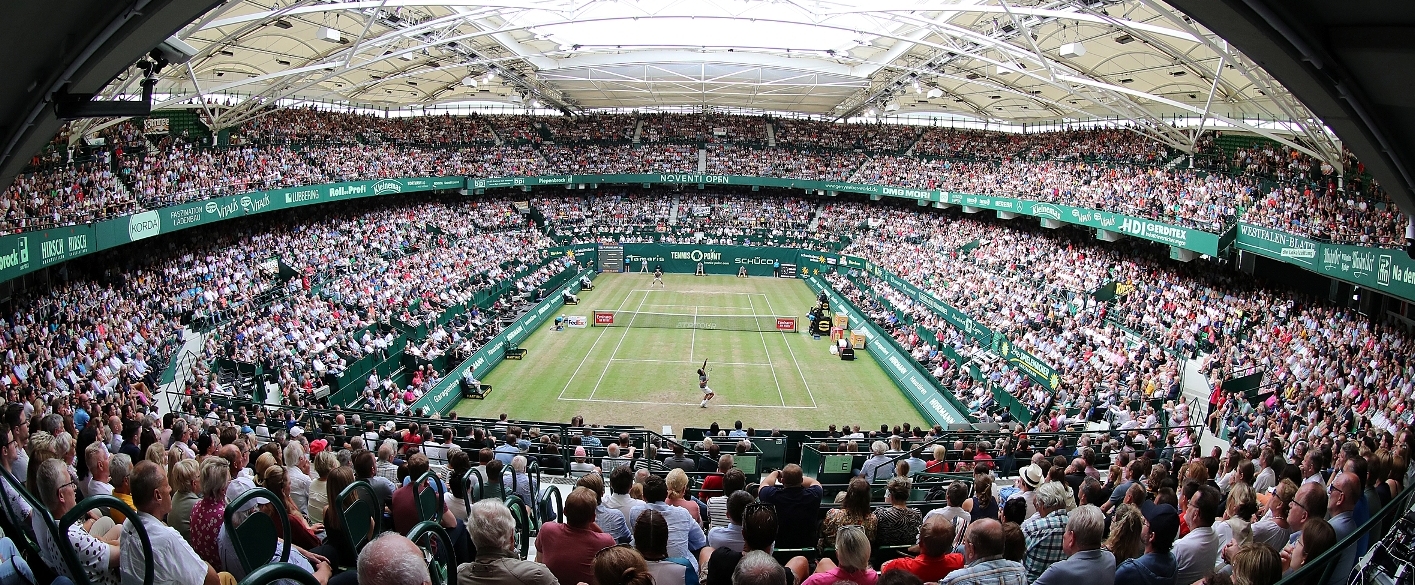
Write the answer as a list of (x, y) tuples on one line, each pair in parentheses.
[(359, 516), (254, 537)]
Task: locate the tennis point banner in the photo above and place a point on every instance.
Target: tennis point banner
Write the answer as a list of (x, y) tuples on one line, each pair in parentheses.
[(446, 393), (923, 390), (685, 258)]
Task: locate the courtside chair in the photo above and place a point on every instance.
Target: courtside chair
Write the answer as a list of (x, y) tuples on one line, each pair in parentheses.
[(76, 516), (437, 551), (255, 538), (360, 520)]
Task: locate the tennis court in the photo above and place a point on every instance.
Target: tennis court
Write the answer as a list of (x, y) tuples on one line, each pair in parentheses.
[(643, 369)]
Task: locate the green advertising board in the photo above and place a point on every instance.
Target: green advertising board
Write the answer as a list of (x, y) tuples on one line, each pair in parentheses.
[(812, 262), (684, 258), (1033, 366), (29, 251), (1147, 229), (936, 404), (586, 254), (1384, 270), (442, 397)]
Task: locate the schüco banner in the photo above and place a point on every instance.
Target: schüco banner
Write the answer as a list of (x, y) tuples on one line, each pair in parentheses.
[(1387, 271), (22, 253), (704, 179), (448, 392), (684, 258), (1180, 237), (923, 389)]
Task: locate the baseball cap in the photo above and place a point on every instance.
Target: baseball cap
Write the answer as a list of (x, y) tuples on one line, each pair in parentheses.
[(1031, 475), (318, 446), (1163, 518)]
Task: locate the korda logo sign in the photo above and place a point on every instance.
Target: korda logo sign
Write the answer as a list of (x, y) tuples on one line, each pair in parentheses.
[(387, 186), (144, 225)]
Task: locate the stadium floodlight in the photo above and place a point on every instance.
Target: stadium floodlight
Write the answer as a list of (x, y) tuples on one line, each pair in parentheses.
[(330, 34), (934, 93), (469, 81)]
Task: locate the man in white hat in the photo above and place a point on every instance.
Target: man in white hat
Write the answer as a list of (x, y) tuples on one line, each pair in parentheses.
[(1027, 480)]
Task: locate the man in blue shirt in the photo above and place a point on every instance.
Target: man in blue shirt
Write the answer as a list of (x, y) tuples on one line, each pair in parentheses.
[(685, 536), (1156, 566)]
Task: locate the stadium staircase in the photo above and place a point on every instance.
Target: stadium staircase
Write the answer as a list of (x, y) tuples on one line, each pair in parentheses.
[(673, 209), (918, 136), (770, 134), (638, 131)]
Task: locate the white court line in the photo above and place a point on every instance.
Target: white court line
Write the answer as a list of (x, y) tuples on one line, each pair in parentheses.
[(687, 362), (693, 404), (627, 328), (693, 342), (779, 393), (695, 292), (793, 354), (592, 346)]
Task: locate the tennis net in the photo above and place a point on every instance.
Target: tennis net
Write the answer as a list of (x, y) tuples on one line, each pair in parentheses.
[(653, 320)]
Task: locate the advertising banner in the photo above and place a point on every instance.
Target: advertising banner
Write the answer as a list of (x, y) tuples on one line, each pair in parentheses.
[(1181, 237), (577, 321), (932, 400), (1385, 270), (684, 258), (45, 248), (442, 397)]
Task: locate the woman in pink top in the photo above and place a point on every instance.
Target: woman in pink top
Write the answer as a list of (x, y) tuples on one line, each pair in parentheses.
[(852, 547), (677, 483), (568, 549), (208, 513)]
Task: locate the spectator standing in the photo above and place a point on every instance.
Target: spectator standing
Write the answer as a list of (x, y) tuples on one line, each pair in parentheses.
[(797, 500)]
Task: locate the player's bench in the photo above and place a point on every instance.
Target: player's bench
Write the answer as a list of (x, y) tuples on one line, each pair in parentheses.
[(515, 353)]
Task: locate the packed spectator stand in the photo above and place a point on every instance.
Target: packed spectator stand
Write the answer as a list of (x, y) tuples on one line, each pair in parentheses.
[(86, 355)]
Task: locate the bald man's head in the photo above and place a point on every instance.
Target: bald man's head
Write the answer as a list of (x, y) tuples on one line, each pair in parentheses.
[(232, 455), (1345, 492), (392, 559), (985, 536)]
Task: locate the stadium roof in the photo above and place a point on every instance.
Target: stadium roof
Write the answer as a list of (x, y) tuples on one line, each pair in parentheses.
[(1002, 61)]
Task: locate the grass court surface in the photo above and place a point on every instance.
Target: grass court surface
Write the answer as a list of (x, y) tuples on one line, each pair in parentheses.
[(648, 376)]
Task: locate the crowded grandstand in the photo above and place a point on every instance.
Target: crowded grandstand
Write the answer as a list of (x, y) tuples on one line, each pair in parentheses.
[(282, 312)]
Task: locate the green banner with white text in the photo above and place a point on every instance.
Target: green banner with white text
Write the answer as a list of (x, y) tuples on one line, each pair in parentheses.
[(1384, 270)]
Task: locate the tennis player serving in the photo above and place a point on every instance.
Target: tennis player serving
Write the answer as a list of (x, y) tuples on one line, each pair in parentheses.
[(708, 394)]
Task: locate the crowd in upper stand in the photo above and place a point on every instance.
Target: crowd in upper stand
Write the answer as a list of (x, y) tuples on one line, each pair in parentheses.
[(633, 215), (1104, 168)]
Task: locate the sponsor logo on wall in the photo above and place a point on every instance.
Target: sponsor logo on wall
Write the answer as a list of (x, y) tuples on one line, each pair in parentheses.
[(144, 225)]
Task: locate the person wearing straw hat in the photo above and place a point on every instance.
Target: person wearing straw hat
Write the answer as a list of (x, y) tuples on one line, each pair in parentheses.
[(1027, 480)]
